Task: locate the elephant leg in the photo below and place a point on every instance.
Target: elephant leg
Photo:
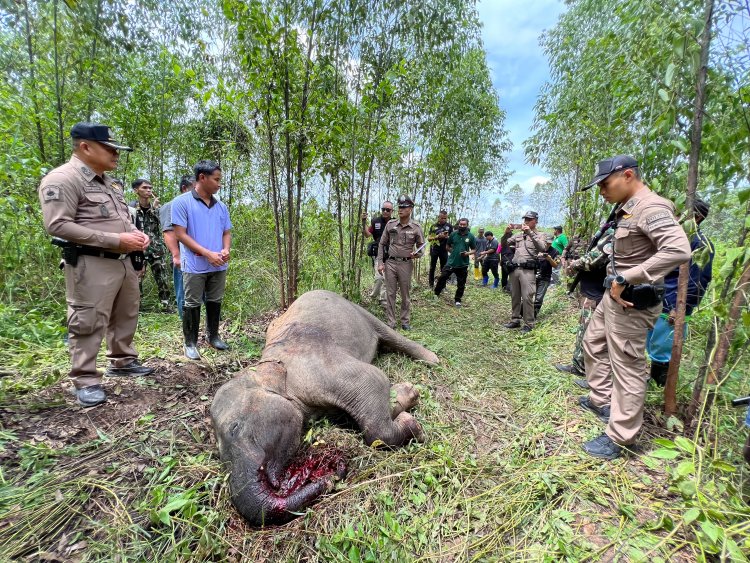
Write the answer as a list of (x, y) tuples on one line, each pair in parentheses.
[(396, 342), (404, 396), (364, 392)]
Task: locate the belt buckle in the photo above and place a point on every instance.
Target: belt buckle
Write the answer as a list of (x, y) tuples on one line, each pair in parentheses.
[(122, 256)]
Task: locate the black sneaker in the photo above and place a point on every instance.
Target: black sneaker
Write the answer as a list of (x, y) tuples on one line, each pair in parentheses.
[(569, 368), (133, 369), (406, 326), (601, 412), (526, 329), (90, 396), (603, 447), (582, 383), (513, 324)]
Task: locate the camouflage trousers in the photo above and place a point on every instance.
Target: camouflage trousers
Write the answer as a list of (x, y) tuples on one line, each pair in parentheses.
[(588, 306), (161, 275)]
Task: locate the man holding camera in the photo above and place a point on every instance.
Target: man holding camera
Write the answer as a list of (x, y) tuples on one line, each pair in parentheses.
[(376, 229), (90, 219), (438, 237), (526, 247), (648, 243)]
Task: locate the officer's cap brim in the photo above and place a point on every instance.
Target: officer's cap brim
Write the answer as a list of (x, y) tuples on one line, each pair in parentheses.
[(115, 146)]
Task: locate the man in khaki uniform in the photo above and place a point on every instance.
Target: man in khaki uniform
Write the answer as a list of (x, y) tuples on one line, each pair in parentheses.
[(81, 206), (648, 243), (400, 237), (526, 246)]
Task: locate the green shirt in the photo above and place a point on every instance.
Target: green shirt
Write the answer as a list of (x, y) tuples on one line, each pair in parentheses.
[(560, 243), (460, 243)]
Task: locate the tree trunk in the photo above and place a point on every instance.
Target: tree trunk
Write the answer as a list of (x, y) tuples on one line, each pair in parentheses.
[(58, 89), (670, 389), (32, 75), (90, 97)]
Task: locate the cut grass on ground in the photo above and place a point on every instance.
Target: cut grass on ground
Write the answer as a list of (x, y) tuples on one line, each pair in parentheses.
[(501, 476)]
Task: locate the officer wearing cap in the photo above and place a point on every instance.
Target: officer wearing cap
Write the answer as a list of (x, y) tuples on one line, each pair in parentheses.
[(81, 206), (404, 240), (526, 246), (648, 243)]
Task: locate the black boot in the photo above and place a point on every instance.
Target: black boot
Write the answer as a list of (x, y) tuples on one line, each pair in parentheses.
[(191, 320), (213, 314), (659, 372)]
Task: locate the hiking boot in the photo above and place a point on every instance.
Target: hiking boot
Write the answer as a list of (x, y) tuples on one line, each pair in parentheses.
[(90, 396), (133, 369), (513, 324), (602, 447), (569, 368), (601, 412), (406, 326), (526, 329), (582, 383)]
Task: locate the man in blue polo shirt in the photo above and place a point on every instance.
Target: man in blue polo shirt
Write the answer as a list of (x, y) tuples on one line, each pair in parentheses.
[(201, 224)]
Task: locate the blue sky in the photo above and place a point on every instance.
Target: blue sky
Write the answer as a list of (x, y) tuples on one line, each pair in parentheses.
[(519, 68)]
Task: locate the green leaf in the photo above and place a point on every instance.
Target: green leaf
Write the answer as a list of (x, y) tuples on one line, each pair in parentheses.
[(680, 144), (691, 515), (723, 466), (663, 453), (684, 444), (663, 442), (685, 468), (663, 94), (711, 530), (744, 195), (669, 75)]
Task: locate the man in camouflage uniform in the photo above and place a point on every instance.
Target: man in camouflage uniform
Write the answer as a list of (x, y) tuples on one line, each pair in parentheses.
[(146, 219), (591, 271)]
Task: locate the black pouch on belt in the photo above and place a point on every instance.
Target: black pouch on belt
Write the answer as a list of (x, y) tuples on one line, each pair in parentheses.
[(137, 258), (644, 295)]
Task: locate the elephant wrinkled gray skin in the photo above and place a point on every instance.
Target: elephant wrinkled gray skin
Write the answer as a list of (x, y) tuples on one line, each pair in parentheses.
[(316, 361)]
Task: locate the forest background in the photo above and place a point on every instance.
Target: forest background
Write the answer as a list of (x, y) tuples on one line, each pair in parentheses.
[(318, 110)]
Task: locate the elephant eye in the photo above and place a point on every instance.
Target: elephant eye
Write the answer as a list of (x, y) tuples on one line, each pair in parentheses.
[(233, 429)]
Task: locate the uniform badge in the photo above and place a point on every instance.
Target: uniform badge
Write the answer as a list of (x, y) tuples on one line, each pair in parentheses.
[(51, 193), (466, 241)]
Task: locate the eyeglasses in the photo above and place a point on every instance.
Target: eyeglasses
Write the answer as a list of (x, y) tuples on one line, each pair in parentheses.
[(386, 209)]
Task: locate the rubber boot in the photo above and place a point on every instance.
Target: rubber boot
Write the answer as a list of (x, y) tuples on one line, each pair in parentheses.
[(191, 320), (485, 279), (659, 372), (213, 315)]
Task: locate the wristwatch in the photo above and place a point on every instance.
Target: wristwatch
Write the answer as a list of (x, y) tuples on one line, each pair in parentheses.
[(619, 280)]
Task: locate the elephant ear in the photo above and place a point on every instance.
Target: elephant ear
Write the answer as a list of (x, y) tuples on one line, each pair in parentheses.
[(271, 375)]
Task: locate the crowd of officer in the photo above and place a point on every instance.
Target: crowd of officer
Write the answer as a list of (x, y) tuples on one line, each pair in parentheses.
[(627, 275)]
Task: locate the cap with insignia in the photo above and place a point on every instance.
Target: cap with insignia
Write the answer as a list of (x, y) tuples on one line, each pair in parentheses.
[(609, 166), (405, 201), (86, 131), (531, 215)]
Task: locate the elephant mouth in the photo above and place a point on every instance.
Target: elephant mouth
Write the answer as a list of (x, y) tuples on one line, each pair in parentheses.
[(309, 466)]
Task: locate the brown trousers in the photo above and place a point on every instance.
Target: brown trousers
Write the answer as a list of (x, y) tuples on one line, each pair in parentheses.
[(522, 294), (103, 299), (398, 276), (614, 350)]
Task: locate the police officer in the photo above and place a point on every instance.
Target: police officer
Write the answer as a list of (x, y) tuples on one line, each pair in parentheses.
[(438, 237), (405, 240), (526, 246), (80, 205), (376, 228), (147, 221), (648, 243)]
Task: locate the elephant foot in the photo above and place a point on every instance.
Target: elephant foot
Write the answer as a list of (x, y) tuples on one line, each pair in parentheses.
[(404, 396), (411, 428)]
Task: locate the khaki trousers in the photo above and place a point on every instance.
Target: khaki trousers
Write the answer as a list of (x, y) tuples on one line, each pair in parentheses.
[(398, 276), (614, 349), (103, 299), (522, 294)]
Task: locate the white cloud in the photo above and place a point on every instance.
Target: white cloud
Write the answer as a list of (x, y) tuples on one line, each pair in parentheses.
[(528, 185)]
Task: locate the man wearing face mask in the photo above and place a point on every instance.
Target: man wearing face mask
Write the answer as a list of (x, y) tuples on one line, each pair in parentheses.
[(461, 245), (526, 246)]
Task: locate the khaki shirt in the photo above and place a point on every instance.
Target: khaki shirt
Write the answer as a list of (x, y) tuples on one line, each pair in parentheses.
[(649, 242), (528, 245), (81, 207), (401, 239)]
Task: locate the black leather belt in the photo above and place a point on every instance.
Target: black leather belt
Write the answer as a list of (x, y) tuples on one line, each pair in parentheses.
[(399, 258), (93, 251)]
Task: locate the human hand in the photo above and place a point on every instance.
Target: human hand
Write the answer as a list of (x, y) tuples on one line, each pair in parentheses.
[(381, 268), (364, 215), (672, 315), (214, 258), (615, 292), (525, 228), (133, 241), (176, 262), (508, 230), (156, 202), (225, 254)]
